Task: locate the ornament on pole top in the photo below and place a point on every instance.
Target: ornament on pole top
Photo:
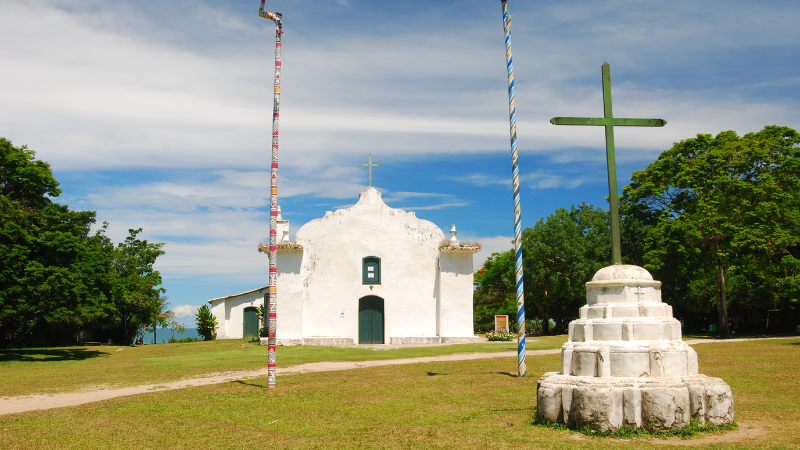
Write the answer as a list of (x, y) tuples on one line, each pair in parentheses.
[(453, 240), (275, 17)]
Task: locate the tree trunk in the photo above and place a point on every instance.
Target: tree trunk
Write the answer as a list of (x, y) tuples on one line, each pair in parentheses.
[(545, 318), (155, 337), (722, 301), (543, 315)]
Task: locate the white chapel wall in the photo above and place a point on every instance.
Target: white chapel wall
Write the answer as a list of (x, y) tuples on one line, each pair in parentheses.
[(455, 291), (333, 248), (290, 296)]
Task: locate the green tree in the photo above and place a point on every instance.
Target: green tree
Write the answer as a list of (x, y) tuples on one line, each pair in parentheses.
[(136, 292), (206, 323), (57, 277), (175, 327), (162, 317), (55, 274), (495, 294), (560, 254), (723, 209)]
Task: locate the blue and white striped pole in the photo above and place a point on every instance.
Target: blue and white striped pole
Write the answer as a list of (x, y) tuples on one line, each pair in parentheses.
[(522, 368)]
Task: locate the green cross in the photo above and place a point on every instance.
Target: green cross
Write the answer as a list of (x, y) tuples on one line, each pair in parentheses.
[(610, 122)]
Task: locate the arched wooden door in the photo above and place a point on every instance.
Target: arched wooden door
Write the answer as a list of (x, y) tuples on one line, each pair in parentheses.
[(370, 320), (250, 325)]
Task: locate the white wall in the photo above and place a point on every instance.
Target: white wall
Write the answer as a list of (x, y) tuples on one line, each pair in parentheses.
[(455, 294), (333, 248), (290, 296)]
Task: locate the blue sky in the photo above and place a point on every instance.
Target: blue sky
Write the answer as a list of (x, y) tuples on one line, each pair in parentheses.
[(157, 114)]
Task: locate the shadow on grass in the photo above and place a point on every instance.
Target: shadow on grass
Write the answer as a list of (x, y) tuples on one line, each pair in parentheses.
[(433, 374), (508, 374), (42, 355), (260, 386)]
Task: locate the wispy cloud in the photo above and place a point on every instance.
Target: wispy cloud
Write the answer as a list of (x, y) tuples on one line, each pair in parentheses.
[(454, 204), (478, 179), (538, 180), (139, 94)]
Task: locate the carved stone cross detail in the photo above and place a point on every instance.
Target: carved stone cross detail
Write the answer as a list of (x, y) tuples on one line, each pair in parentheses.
[(639, 293)]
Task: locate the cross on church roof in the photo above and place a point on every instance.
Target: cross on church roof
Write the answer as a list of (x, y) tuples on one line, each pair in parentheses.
[(370, 168), (609, 122)]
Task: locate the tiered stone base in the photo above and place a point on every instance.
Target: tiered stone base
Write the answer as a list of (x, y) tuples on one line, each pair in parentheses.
[(607, 403)]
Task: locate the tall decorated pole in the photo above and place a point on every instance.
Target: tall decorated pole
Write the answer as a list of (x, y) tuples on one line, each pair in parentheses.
[(512, 115), (272, 298)]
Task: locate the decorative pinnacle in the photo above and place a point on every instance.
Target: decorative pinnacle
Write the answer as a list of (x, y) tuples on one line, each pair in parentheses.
[(453, 240)]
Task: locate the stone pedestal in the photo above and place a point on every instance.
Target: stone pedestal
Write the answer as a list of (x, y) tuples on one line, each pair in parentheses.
[(625, 363)]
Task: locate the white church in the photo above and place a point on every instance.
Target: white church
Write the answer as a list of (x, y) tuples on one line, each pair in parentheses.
[(368, 274)]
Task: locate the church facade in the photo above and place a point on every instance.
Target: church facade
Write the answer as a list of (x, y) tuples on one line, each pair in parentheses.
[(368, 274)]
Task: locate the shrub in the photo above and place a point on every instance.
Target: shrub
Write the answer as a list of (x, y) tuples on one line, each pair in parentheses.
[(206, 323), (184, 340), (499, 335)]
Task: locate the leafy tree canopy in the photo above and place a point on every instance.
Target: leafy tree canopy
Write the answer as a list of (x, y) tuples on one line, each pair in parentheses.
[(57, 277), (560, 254), (720, 207)]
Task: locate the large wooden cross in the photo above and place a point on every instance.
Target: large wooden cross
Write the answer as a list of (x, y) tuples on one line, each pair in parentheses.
[(610, 122), (370, 168)]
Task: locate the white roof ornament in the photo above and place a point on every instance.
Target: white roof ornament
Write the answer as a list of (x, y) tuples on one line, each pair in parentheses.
[(453, 240)]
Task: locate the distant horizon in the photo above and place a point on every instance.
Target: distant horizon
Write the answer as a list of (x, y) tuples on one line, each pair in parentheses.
[(166, 334)]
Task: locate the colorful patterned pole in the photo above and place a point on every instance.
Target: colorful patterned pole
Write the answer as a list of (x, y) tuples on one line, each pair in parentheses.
[(512, 113), (273, 204)]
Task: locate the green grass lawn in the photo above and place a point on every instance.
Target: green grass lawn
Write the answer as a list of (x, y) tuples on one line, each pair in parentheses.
[(463, 405), (69, 369)]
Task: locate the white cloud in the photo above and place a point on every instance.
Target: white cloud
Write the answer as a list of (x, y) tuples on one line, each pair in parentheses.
[(184, 311), (139, 93)]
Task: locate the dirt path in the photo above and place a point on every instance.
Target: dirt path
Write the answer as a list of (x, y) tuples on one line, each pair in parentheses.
[(12, 405)]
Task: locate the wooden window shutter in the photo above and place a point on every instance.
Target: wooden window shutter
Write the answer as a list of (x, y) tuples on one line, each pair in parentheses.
[(371, 270)]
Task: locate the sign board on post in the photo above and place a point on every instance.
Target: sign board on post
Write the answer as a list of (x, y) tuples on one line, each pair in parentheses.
[(501, 323)]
